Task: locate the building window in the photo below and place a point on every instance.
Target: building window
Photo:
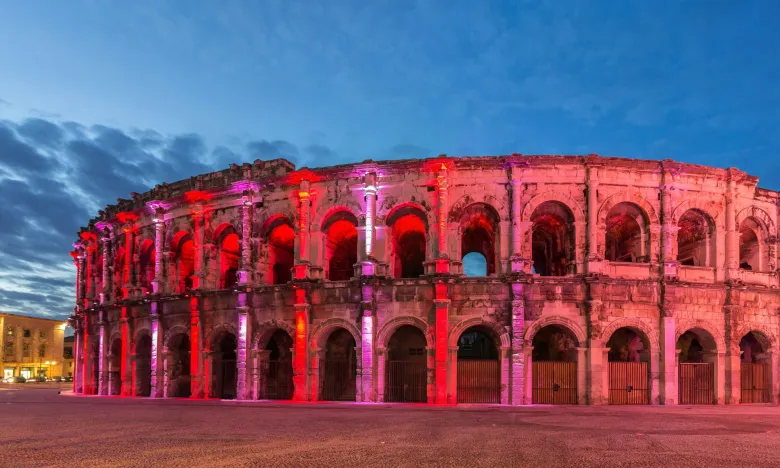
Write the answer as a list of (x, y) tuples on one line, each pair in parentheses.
[(27, 333), (9, 351), (25, 350), (10, 331), (42, 351), (41, 335)]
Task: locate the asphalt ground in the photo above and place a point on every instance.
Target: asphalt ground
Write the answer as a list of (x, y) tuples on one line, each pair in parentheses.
[(39, 427)]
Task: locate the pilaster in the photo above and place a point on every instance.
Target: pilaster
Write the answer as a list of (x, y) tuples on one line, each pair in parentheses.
[(517, 372), (441, 334)]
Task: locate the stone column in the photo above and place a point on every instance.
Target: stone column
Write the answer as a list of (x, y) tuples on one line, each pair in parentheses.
[(370, 189), (129, 254), (597, 368), (668, 343), (159, 236), (198, 373), (594, 256), (245, 274), (733, 371), (82, 277), (381, 359), (78, 356), (668, 230), (732, 237), (441, 333), (528, 375), (125, 367), (102, 358), (300, 351), (106, 293), (518, 382), (244, 332), (301, 268), (442, 186), (366, 385), (156, 364), (582, 375), (199, 277), (86, 375), (517, 263), (452, 376)]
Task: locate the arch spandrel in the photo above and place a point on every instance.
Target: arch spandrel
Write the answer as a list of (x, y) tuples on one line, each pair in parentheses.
[(216, 330), (553, 196), (560, 321), (765, 336), (390, 327), (321, 333), (427, 216), (325, 211), (498, 331), (489, 200), (710, 208)]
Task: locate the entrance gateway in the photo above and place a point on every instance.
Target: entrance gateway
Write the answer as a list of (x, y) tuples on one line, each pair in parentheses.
[(554, 367)]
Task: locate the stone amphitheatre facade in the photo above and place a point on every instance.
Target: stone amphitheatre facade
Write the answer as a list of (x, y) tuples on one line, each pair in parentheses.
[(598, 280)]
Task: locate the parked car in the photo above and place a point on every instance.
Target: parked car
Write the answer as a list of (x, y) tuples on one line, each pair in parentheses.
[(37, 379), (19, 379), (57, 379)]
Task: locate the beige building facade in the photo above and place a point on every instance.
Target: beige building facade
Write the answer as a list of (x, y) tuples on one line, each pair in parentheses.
[(31, 346)]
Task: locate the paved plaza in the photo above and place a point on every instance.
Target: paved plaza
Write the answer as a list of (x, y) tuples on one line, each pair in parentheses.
[(41, 428)]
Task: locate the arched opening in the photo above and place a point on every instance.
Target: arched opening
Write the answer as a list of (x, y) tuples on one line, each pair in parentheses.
[(749, 245), (479, 368), (627, 234), (408, 229), (553, 239), (475, 264), (229, 254), (120, 278), (95, 368), (755, 370), (224, 360), (146, 265), (554, 371), (276, 370), (341, 245), (406, 373), (339, 368), (114, 367), (479, 234), (178, 366), (629, 367), (143, 366), (695, 239), (697, 357), (281, 254), (185, 262)]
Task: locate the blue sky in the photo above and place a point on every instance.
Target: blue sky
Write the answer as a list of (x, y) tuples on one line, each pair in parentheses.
[(99, 98)]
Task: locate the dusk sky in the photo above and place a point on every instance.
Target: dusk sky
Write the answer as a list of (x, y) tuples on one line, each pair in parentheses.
[(101, 98)]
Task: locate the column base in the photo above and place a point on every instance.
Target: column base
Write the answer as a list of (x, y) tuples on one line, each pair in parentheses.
[(438, 266), (520, 265)]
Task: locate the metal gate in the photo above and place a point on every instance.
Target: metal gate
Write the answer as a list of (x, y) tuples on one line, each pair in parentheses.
[(697, 383), (554, 383), (406, 382), (276, 380), (143, 376), (754, 383), (628, 383), (479, 381), (225, 383), (338, 380)]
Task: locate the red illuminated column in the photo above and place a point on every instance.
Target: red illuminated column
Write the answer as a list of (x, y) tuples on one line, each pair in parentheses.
[(105, 294), (82, 271), (302, 266), (128, 266), (102, 361), (159, 237), (442, 184), (199, 378), (366, 384), (244, 276), (441, 333), (197, 224), (300, 346), (517, 351), (78, 368), (125, 365), (86, 375)]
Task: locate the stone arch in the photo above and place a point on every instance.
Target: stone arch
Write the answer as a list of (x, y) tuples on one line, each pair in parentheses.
[(387, 330), (173, 331), (218, 226), (764, 220), (762, 332), (326, 211), (268, 222), (499, 332), (553, 196), (179, 225), (564, 322), (717, 336), (139, 334), (635, 324), (467, 200), (217, 329), (710, 208), (320, 334), (267, 329), (626, 196), (425, 215), (114, 336)]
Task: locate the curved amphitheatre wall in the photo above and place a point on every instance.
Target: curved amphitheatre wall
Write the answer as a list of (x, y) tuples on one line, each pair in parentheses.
[(595, 242)]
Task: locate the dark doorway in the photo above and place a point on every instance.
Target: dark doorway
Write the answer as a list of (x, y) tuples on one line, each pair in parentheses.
[(143, 366), (179, 366), (406, 375), (224, 372), (479, 369), (339, 368), (277, 372)]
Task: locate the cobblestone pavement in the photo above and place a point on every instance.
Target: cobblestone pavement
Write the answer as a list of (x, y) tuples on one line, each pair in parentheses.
[(41, 428)]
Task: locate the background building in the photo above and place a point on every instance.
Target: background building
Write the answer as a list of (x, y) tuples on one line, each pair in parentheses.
[(31, 346), (67, 357)]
